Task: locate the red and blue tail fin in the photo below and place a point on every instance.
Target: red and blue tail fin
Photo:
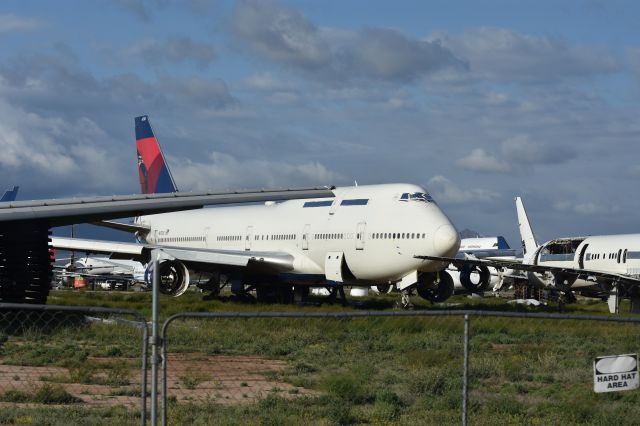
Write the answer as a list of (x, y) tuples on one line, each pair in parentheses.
[(155, 176), (10, 194)]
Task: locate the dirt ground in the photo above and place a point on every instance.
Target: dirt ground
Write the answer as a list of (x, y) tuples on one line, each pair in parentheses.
[(191, 377)]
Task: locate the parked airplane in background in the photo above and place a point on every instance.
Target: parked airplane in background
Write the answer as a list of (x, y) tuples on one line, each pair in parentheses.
[(92, 266), (366, 235), (606, 264), (10, 194)]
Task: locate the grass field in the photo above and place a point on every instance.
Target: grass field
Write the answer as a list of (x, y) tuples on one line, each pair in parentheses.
[(326, 371)]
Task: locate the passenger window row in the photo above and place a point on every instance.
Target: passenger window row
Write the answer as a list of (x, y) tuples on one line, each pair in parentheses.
[(620, 256), (229, 238), (180, 239), (328, 236), (398, 235)]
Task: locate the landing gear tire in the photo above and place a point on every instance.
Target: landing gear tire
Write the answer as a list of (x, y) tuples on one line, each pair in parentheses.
[(435, 287), (383, 288)]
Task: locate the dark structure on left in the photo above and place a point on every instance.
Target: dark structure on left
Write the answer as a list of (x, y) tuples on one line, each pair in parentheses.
[(25, 262)]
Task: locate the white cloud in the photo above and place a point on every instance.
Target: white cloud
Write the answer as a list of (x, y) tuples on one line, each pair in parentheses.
[(172, 50), (13, 23), (284, 35), (522, 149), (280, 33), (502, 54), (223, 171), (277, 92), (479, 161), (588, 208), (48, 152), (633, 59), (445, 191), (268, 82)]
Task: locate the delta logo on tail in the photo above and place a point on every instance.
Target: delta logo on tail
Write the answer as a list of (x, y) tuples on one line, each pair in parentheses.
[(155, 176)]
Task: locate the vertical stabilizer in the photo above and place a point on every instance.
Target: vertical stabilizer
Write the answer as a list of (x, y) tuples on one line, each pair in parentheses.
[(10, 194), (529, 242), (155, 176)]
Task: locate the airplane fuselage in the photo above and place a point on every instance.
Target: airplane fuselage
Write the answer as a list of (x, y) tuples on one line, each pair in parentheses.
[(377, 228), (617, 254)]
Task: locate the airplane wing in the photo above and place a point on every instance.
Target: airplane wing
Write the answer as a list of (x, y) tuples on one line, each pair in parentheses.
[(59, 212), (25, 256), (586, 274), (192, 257)]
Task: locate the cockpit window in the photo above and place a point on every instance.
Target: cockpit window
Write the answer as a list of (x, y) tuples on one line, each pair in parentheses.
[(416, 196)]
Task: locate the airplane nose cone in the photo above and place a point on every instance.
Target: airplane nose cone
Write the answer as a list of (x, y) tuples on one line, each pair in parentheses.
[(446, 241)]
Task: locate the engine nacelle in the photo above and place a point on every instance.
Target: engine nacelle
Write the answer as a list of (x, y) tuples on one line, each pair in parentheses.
[(562, 282), (435, 286), (174, 277), (475, 278)]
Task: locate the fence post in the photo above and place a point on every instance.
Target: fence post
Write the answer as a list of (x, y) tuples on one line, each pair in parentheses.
[(155, 340), (465, 376), (143, 378), (164, 372)]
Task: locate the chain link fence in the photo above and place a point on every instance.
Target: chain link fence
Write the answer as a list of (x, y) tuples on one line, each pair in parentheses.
[(392, 368), (538, 369), (383, 367), (86, 363)]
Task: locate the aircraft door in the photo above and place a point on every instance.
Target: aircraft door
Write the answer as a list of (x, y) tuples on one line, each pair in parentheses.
[(305, 237), (333, 266), (581, 257), (207, 237), (248, 237), (360, 234), (334, 206)]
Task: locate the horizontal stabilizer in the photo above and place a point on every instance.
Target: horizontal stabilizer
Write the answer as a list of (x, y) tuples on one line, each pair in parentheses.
[(126, 227), (272, 261), (96, 246)]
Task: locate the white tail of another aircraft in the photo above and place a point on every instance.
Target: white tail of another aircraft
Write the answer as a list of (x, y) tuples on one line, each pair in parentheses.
[(529, 241)]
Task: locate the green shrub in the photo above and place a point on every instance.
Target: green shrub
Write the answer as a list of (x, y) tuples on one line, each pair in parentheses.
[(54, 394)]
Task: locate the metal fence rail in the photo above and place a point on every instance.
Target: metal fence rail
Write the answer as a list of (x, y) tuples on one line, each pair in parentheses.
[(87, 358), (461, 352)]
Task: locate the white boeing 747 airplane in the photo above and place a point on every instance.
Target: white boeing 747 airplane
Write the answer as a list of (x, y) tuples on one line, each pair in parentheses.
[(364, 236)]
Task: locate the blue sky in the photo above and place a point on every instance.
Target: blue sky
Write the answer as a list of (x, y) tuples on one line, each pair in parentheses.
[(477, 101)]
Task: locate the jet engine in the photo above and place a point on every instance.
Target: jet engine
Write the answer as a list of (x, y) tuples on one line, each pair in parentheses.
[(174, 277), (435, 286), (475, 278), (562, 282)]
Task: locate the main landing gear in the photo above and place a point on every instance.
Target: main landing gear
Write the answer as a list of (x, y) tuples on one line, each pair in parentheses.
[(435, 287)]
